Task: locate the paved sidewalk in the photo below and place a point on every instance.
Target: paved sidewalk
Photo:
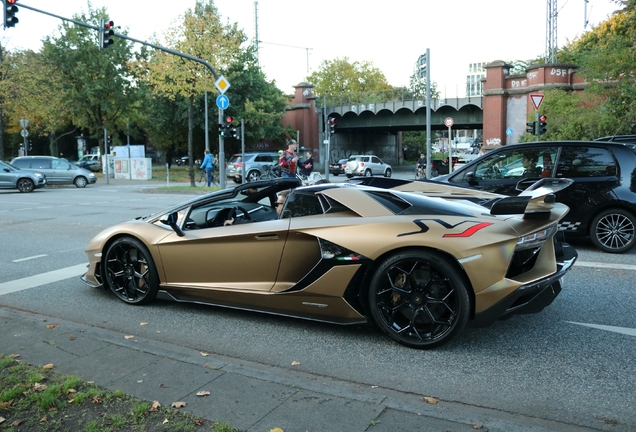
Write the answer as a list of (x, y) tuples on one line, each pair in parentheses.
[(249, 396)]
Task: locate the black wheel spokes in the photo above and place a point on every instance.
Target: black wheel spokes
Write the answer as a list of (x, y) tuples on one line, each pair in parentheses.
[(615, 231), (129, 272), (426, 306)]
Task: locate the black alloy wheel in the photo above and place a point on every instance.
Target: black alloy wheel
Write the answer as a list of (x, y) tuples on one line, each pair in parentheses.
[(130, 271), (25, 185), (614, 231), (419, 299)]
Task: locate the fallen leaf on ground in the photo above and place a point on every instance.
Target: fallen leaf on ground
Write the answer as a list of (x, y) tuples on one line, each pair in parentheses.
[(39, 387), (155, 406), (143, 323), (71, 391), (203, 393), (2, 419), (72, 337), (374, 386), (276, 430), (207, 365), (48, 366), (197, 422), (51, 325), (431, 400), (128, 337), (478, 426), (178, 404), (14, 355), (295, 363), (17, 422), (97, 399), (44, 419), (204, 354), (165, 421)]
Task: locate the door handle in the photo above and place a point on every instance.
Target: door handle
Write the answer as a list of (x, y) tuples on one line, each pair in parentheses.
[(267, 237)]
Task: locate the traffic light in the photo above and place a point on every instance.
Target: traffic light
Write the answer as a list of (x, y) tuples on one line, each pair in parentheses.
[(10, 9), (331, 121), (543, 126), (109, 140), (221, 129), (108, 31), (531, 129)]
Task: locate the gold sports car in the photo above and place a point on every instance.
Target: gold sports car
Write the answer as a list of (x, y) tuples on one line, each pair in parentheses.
[(419, 259)]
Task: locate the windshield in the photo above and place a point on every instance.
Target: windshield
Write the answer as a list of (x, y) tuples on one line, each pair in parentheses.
[(235, 159)]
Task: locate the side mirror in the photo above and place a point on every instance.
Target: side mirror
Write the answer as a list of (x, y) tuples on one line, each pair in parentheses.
[(172, 222), (470, 178)]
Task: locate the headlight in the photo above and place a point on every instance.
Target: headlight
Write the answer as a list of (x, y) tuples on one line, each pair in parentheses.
[(535, 239), (38, 175), (91, 175)]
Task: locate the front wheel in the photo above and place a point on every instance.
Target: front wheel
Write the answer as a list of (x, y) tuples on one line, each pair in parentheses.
[(613, 231), (253, 176), (25, 185), (130, 272), (419, 299), (388, 172), (80, 182)]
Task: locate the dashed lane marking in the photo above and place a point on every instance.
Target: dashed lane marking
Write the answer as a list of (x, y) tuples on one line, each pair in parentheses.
[(29, 258), (605, 265), (622, 330), (42, 279)]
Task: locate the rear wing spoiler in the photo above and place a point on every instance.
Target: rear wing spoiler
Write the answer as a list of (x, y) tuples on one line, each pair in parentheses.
[(535, 202)]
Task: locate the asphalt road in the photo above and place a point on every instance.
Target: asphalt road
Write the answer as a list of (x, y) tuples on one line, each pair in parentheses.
[(557, 365)]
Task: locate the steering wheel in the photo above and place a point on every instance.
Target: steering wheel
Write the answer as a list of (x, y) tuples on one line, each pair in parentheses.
[(232, 214)]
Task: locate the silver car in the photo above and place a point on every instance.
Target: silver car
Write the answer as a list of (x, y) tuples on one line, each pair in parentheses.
[(57, 171), (24, 181), (367, 165), (254, 163)]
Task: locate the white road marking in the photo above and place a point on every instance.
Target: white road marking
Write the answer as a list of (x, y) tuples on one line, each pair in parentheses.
[(605, 265), (623, 330), (43, 279), (29, 258)]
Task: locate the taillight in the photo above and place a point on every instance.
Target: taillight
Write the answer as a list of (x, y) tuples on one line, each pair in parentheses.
[(361, 164), (238, 164)]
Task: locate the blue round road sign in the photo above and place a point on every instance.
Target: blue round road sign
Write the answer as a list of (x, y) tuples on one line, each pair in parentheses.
[(222, 101)]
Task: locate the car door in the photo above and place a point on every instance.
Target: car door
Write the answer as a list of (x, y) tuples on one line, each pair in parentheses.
[(7, 176), (377, 167), (43, 165), (242, 257), (595, 174), (62, 171)]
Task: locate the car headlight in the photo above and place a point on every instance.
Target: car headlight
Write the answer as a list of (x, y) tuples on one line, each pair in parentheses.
[(535, 239), (38, 175), (91, 175)]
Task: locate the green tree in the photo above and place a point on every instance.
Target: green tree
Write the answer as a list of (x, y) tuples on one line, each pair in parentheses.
[(99, 89), (38, 96), (341, 76), (606, 56)]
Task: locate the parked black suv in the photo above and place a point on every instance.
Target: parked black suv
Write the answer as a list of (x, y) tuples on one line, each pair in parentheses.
[(602, 199)]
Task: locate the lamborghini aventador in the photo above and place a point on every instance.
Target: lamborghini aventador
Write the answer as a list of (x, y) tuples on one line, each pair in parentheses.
[(418, 259)]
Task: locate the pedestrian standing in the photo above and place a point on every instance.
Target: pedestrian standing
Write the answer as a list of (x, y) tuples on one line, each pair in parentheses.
[(208, 166), (289, 160), (306, 166)]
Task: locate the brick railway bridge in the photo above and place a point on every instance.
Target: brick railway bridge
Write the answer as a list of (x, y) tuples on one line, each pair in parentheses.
[(373, 122)]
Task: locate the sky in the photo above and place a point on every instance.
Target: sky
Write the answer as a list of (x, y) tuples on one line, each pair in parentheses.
[(296, 36)]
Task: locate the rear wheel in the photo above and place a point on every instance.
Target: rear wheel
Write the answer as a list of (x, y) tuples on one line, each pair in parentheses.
[(130, 272), (419, 299), (368, 173), (613, 231), (26, 185), (80, 182)]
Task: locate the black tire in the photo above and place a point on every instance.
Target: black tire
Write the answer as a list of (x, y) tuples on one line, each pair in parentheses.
[(419, 299), (130, 272), (613, 231), (388, 172), (368, 173), (253, 176), (237, 180), (80, 182), (25, 185)]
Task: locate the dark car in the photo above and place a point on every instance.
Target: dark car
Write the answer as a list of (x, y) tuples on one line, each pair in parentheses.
[(183, 160), (602, 199), (338, 168)]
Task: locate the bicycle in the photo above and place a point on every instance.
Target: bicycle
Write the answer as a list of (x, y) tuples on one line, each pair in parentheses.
[(203, 179), (271, 172), (311, 179)]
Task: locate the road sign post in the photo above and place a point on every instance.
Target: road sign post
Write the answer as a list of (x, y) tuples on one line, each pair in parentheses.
[(449, 122), (536, 101)]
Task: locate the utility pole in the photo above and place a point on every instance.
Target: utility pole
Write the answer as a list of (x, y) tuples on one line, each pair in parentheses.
[(551, 32)]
